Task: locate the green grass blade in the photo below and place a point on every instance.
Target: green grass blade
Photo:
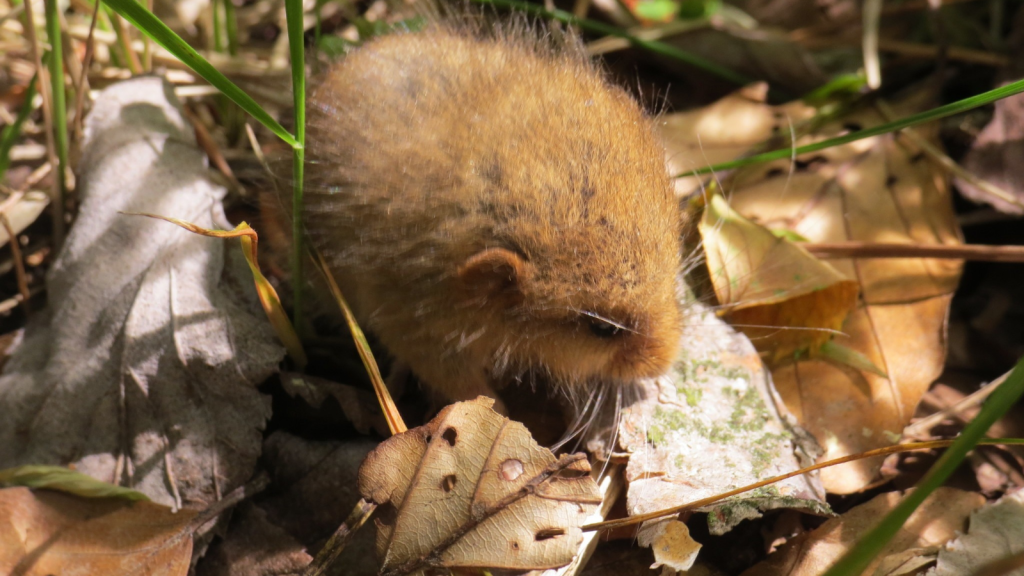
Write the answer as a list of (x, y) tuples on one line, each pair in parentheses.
[(66, 480), (854, 562), (218, 29), (609, 30), (60, 115), (927, 116), (231, 27), (293, 14), (9, 135), (150, 25)]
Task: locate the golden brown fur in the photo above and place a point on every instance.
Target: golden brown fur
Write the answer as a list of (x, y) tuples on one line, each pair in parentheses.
[(491, 205)]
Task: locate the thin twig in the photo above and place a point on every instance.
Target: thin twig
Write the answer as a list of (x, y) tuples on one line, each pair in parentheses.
[(43, 85), (329, 554), (974, 252), (871, 14), (923, 426), (608, 44), (11, 303), (124, 40), (90, 49), (207, 143), (36, 177), (885, 451), (938, 30), (19, 263), (910, 49), (849, 21), (255, 486), (947, 163)]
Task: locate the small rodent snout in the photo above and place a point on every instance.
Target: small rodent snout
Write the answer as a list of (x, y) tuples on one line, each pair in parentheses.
[(642, 356)]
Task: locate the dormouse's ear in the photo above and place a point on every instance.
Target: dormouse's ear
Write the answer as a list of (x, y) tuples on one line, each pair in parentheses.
[(495, 273)]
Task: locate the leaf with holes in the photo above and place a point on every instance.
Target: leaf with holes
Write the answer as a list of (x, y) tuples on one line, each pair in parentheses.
[(473, 489)]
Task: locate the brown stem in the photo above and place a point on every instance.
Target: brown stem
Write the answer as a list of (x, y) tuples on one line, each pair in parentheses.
[(255, 486), (19, 263), (43, 86), (83, 82), (975, 252), (909, 447), (341, 537)]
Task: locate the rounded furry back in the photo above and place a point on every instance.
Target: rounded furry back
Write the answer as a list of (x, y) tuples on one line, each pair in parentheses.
[(491, 204)]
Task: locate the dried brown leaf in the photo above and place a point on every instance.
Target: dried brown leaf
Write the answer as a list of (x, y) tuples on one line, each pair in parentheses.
[(45, 532), (995, 154), (937, 520), (671, 543), (472, 489), (881, 189)]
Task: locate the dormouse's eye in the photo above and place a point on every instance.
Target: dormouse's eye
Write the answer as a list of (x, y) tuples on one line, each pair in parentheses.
[(603, 329)]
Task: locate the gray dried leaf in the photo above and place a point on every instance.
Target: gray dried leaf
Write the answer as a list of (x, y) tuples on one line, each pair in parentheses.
[(995, 154), (143, 371), (996, 531)]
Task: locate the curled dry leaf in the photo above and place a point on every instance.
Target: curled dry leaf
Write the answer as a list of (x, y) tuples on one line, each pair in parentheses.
[(995, 154), (144, 370), (45, 532), (785, 300), (880, 189), (711, 425), (23, 213), (937, 520), (671, 543), (472, 489)]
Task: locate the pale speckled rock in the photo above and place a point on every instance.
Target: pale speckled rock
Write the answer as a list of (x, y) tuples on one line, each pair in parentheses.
[(713, 424), (143, 371)]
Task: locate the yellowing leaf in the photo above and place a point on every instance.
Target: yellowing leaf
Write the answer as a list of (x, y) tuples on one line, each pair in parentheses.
[(877, 190), (65, 480), (784, 299), (387, 404), (472, 489), (268, 296), (44, 533)]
